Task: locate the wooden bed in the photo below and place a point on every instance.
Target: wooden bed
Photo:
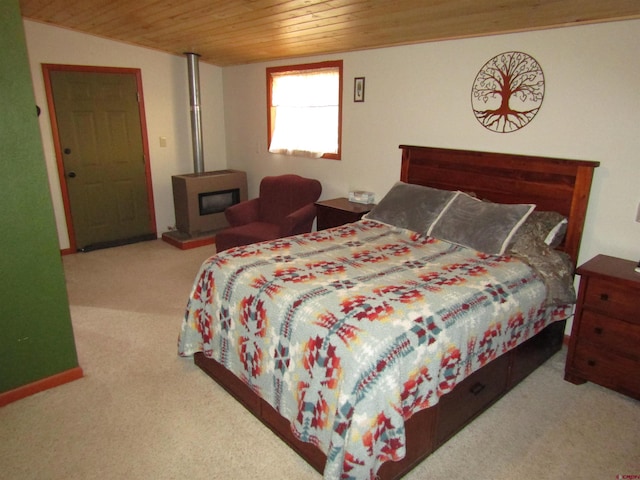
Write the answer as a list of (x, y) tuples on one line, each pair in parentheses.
[(552, 184)]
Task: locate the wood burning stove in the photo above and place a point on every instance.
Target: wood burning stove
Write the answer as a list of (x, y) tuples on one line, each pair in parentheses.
[(200, 199)]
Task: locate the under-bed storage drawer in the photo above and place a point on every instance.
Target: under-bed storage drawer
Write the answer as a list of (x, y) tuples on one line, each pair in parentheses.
[(535, 351), (469, 397)]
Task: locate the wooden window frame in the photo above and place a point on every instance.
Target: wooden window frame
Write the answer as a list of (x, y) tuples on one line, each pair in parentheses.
[(306, 66)]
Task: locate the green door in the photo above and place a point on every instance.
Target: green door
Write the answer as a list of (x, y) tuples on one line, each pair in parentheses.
[(100, 137)]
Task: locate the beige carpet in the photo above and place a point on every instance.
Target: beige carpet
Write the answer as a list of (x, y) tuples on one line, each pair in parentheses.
[(141, 412)]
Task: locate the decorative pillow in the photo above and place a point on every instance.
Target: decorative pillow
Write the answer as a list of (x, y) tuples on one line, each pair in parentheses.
[(547, 227), (557, 233), (555, 267), (414, 207), (484, 226)]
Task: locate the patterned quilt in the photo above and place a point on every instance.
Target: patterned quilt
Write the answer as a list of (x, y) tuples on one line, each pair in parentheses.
[(347, 332)]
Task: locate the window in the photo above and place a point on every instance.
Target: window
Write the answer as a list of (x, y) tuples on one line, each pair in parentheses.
[(305, 109)]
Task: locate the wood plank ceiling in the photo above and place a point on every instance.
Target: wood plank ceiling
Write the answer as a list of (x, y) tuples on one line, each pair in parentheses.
[(232, 32)]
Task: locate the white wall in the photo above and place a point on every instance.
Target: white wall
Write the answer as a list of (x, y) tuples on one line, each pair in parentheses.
[(421, 95), (416, 94), (166, 95)]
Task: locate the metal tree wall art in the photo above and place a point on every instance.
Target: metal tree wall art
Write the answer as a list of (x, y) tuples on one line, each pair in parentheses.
[(507, 92)]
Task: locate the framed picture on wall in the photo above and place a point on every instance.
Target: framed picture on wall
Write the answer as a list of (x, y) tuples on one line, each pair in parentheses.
[(358, 89)]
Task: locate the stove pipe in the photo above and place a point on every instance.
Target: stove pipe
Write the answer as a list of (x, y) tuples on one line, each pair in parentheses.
[(196, 122)]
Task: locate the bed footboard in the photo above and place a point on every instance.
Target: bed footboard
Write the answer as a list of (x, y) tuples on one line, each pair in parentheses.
[(428, 429)]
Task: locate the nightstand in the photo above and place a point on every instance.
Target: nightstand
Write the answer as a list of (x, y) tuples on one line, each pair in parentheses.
[(338, 211), (605, 337)]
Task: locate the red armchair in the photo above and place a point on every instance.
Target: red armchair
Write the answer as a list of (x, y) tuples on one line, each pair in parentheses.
[(284, 207)]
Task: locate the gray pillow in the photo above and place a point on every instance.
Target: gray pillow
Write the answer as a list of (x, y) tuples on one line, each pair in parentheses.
[(484, 226), (414, 207)]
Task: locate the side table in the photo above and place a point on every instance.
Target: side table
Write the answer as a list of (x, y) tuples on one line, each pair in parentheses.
[(338, 211), (605, 337)]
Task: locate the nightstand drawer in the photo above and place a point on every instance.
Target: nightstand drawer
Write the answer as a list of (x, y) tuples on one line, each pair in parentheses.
[(613, 299), (339, 211), (609, 333), (329, 218), (608, 369)]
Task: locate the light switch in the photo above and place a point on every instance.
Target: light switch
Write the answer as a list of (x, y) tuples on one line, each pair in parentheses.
[(163, 142)]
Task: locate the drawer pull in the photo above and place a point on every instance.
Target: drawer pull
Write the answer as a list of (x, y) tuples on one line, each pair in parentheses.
[(597, 330), (477, 388), (604, 297), (591, 363)]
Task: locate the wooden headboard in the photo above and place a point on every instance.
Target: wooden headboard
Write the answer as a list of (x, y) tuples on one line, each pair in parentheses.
[(552, 184)]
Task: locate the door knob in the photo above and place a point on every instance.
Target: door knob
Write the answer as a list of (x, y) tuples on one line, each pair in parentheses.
[(71, 174), (67, 151)]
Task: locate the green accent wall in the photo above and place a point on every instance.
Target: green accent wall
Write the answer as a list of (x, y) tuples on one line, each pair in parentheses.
[(36, 337)]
